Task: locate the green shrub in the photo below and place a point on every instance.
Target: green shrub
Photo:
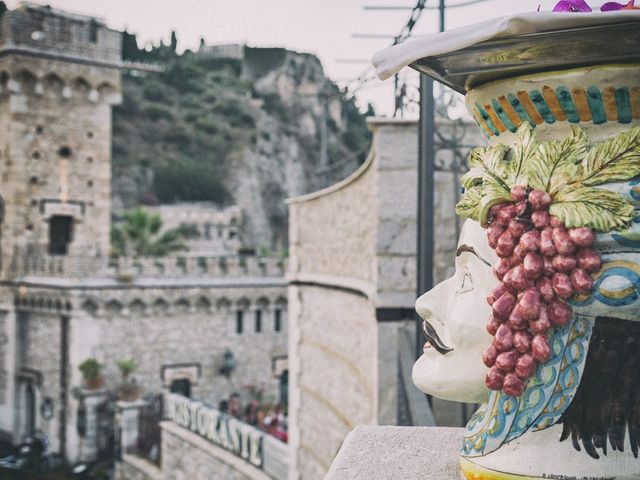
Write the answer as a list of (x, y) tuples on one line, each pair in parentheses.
[(154, 91), (127, 367), (179, 137), (189, 181), (90, 369), (155, 112), (207, 125)]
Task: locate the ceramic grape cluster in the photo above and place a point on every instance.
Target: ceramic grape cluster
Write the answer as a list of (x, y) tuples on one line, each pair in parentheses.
[(541, 208), (542, 265)]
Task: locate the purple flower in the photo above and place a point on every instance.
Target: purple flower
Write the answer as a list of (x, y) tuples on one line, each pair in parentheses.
[(572, 6), (611, 6)]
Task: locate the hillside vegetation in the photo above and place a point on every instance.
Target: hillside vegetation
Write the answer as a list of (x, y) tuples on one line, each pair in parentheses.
[(245, 131)]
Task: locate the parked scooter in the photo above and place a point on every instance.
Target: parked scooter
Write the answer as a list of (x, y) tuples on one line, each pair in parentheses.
[(30, 461)]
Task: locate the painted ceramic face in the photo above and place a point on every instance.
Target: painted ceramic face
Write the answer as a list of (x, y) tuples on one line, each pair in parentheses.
[(457, 310)]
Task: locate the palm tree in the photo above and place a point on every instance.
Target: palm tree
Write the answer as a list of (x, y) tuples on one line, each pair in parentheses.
[(139, 236)]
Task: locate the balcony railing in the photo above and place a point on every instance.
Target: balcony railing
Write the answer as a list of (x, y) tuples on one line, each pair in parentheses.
[(32, 262)]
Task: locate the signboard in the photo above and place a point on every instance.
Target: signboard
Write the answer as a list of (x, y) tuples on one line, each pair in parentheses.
[(227, 432)]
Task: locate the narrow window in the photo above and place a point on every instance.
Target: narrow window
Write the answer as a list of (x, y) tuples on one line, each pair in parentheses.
[(60, 234), (278, 320), (239, 321), (258, 321), (93, 31)]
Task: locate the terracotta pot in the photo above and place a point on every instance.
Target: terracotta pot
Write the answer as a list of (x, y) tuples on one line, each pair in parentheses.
[(129, 391), (95, 383)]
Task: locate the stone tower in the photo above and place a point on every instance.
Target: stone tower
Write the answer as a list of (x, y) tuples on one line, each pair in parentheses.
[(59, 77)]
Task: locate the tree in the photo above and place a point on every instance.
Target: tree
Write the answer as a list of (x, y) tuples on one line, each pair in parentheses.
[(130, 50), (174, 41), (139, 235)]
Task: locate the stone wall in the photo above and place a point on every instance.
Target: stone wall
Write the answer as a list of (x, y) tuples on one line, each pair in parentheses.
[(56, 152), (333, 374), (39, 346), (186, 456), (351, 256), (346, 252), (352, 275), (8, 366), (396, 148), (161, 328), (44, 29), (134, 468)]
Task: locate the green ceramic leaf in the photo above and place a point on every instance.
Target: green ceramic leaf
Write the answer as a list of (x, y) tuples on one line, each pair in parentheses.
[(469, 205), (557, 163), (493, 192), (567, 169), (484, 185), (615, 160), (476, 157), (492, 161), (602, 210), (523, 151), (473, 178)]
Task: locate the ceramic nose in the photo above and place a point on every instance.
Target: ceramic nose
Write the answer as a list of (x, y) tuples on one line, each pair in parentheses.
[(432, 306)]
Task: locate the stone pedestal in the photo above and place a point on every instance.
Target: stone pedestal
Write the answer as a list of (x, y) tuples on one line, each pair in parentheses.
[(85, 425), (407, 453), (129, 421)]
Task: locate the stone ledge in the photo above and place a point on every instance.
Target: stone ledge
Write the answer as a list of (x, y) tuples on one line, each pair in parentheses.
[(407, 453), (144, 467)]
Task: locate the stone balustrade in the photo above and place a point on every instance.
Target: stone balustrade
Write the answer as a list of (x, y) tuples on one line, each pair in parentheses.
[(224, 266), (35, 263)]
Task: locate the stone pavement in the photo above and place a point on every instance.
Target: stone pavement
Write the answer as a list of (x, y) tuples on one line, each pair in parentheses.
[(407, 453)]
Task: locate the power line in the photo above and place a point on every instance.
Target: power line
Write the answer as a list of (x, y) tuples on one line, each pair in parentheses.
[(404, 8)]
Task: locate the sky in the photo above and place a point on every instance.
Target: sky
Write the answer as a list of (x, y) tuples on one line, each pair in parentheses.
[(322, 27)]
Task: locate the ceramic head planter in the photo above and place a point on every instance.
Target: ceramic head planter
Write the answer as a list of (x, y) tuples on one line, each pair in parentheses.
[(541, 321)]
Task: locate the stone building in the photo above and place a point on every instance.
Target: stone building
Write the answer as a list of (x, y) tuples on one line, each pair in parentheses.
[(211, 230), (352, 288), (230, 51), (62, 300)]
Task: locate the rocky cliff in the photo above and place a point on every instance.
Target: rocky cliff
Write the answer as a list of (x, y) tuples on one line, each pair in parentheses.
[(234, 125)]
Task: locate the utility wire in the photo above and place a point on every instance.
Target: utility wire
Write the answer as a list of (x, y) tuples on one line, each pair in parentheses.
[(401, 90), (455, 5)]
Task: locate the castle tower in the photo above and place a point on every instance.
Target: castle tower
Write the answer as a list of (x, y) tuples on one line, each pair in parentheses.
[(59, 77)]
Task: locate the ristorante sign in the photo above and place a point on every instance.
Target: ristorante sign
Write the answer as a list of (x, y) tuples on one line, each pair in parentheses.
[(227, 432)]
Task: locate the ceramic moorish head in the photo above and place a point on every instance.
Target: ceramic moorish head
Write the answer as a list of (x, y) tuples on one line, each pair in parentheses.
[(539, 323)]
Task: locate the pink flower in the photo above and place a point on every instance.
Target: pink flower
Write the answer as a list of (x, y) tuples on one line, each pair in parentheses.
[(572, 6), (611, 6)]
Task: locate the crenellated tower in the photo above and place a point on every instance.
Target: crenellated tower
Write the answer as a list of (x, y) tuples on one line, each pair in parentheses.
[(59, 78)]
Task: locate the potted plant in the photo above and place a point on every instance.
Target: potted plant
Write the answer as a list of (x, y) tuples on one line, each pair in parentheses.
[(91, 374), (129, 390)]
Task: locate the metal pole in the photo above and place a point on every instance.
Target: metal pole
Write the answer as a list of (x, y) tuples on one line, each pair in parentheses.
[(426, 197), (426, 152)]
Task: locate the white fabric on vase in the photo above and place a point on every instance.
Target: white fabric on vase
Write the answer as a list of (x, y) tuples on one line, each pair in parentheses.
[(390, 60)]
